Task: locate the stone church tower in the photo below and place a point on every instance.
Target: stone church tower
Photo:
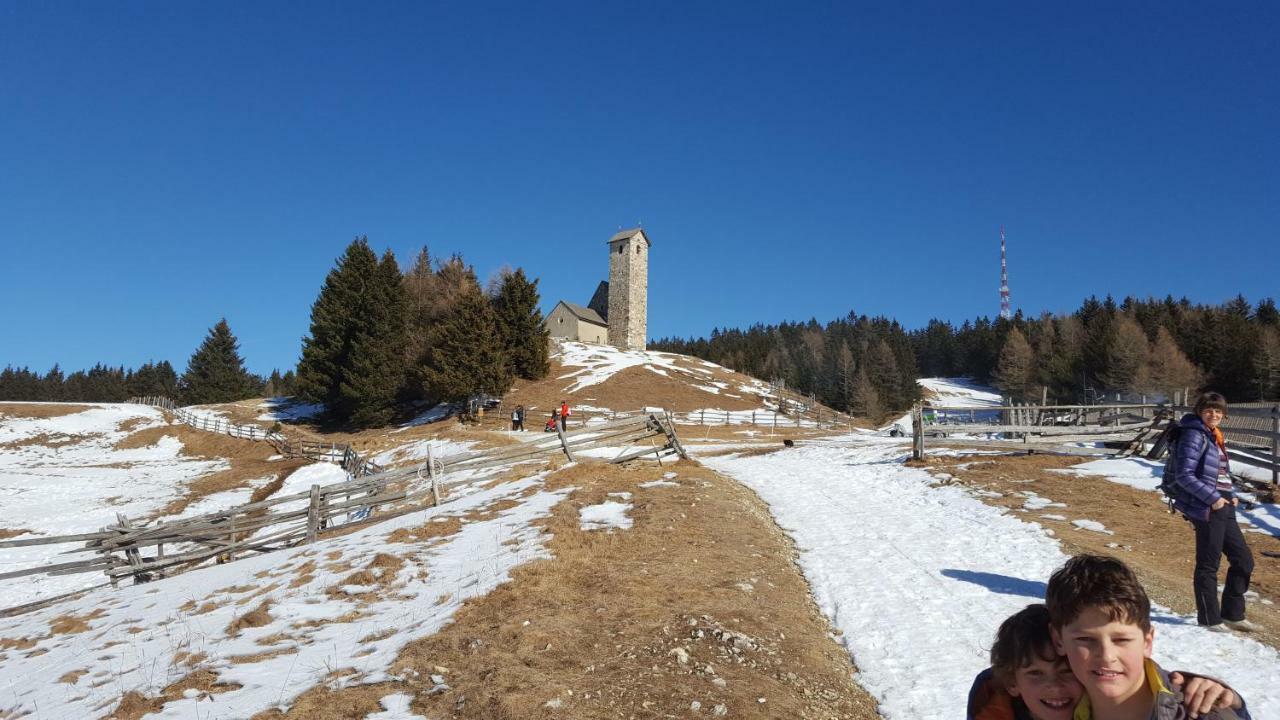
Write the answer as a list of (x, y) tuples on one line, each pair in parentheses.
[(628, 289)]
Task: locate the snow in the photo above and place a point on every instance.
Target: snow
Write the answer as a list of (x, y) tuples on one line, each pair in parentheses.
[(605, 516), (1092, 525), (659, 483), (1145, 474), (395, 707), (364, 632), (433, 414), (598, 363), (287, 409), (54, 488), (960, 392), (916, 577), (417, 451)]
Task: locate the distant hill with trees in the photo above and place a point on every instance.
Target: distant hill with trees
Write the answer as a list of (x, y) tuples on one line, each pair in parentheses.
[(868, 366)]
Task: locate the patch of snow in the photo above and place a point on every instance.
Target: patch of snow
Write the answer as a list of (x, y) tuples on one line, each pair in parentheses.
[(435, 413), (605, 516), (1093, 526), (659, 483), (417, 451), (395, 707), (288, 409)]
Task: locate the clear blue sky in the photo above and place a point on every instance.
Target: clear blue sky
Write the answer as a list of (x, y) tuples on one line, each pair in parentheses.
[(164, 164)]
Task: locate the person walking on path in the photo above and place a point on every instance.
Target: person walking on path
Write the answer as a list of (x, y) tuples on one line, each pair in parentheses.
[(1207, 499), (564, 415), (517, 419)]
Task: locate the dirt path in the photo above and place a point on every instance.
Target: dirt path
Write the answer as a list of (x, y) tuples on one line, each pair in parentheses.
[(698, 606), (1159, 546)]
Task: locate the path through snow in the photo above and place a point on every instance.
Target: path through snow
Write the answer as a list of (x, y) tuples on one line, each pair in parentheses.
[(917, 577)]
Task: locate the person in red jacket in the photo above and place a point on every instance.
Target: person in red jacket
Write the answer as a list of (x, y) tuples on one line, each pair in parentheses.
[(564, 415)]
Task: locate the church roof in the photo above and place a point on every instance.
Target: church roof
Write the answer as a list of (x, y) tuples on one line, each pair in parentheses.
[(628, 234), (600, 300), (586, 314)]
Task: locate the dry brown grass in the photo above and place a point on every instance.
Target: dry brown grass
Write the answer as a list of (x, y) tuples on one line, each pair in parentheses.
[(257, 617), (134, 705), (704, 571), (42, 439), (42, 410), (22, 643), (72, 624), (73, 677), (6, 533), (1159, 546)]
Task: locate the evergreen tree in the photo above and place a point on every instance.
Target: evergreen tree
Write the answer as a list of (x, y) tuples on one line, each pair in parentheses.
[(51, 385), (1266, 364), (336, 316), (215, 373), (465, 356), (376, 364), (1015, 371), (520, 324)]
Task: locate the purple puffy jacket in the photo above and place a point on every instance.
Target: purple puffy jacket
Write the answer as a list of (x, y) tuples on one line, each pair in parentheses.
[(1196, 461)]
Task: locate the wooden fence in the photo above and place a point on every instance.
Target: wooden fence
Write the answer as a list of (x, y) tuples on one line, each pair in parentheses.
[(338, 453), (1032, 426), (818, 417), (139, 550)]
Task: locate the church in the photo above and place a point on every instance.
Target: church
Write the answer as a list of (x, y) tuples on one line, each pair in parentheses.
[(618, 312)]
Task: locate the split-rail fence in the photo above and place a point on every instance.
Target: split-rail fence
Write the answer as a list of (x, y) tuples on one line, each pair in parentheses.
[(147, 551)]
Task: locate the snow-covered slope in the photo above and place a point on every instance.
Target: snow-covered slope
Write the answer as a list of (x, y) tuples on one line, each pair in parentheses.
[(64, 475), (918, 576)]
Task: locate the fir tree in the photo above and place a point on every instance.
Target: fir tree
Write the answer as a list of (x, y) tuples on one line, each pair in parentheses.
[(864, 401), (376, 364), (215, 373), (336, 316), (520, 324), (465, 356)]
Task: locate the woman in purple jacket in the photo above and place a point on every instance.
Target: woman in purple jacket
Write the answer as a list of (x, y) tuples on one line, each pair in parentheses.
[(1207, 499)]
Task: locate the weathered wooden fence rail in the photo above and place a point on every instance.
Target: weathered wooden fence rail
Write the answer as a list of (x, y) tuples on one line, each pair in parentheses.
[(1254, 431), (155, 550), (338, 453)]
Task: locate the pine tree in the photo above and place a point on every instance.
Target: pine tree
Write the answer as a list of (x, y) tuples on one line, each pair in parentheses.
[(1266, 364), (336, 316), (376, 363), (52, 389), (465, 356), (215, 373), (1015, 370), (520, 324)]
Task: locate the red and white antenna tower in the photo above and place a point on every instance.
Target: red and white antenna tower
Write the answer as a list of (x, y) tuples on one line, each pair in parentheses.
[(1005, 311)]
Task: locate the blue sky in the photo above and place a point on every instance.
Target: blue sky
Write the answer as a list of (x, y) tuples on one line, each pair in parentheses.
[(168, 164)]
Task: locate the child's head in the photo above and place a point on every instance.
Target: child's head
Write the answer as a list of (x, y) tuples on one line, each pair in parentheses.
[(1024, 661), (1100, 618)]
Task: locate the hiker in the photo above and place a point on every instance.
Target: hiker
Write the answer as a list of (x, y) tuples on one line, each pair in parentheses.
[(1029, 680), (1100, 619), (553, 422), (1206, 498), (517, 419), (565, 412)]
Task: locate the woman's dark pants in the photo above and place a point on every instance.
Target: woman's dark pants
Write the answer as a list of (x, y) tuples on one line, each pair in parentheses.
[(1219, 536)]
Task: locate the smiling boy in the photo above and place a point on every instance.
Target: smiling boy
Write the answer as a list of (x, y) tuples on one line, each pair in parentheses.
[(1100, 619)]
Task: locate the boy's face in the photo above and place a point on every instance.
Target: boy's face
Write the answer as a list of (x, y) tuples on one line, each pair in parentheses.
[(1107, 657), (1048, 688)]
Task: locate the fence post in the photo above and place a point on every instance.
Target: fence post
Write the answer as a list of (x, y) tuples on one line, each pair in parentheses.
[(430, 473), (564, 444), (313, 515), (702, 418), (917, 433), (753, 418), (1275, 447)]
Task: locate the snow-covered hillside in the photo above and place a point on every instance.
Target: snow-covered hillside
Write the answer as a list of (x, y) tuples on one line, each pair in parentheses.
[(917, 576), (65, 474)]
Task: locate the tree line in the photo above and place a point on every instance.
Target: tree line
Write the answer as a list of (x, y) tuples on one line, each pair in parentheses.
[(1153, 347), (380, 340), (860, 365), (215, 373)]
